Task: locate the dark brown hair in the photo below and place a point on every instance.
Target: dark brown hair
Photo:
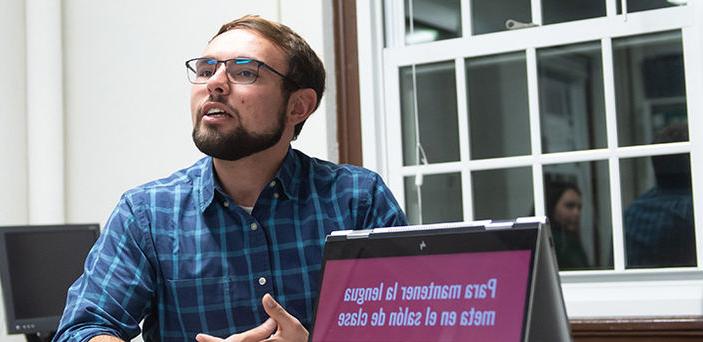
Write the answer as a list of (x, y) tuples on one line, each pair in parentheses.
[(554, 190), (305, 69)]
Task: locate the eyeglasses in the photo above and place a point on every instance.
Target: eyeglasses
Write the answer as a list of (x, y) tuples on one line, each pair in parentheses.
[(239, 70)]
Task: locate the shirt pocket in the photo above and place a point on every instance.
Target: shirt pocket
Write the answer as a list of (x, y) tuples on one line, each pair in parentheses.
[(204, 305)]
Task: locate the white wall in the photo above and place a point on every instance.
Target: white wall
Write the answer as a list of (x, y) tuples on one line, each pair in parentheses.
[(314, 23), (123, 130), (13, 138), (126, 96)]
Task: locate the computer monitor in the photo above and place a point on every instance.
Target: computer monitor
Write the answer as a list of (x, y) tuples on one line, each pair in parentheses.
[(37, 266)]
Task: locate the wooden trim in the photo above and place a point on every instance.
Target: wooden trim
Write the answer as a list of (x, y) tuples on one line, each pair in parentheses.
[(347, 72), (625, 329)]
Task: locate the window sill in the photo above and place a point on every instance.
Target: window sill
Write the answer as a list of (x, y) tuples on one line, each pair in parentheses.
[(633, 293)]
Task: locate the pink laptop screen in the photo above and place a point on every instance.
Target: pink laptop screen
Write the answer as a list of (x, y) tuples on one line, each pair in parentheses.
[(478, 296)]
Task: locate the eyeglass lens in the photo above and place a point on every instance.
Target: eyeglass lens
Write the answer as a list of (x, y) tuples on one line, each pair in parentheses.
[(243, 71)]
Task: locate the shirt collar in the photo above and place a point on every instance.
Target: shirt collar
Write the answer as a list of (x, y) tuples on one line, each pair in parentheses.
[(287, 177), (210, 185), (207, 183)]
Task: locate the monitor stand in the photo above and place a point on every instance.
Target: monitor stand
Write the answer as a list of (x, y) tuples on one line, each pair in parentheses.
[(39, 337)]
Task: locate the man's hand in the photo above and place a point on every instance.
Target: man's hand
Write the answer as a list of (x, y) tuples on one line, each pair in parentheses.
[(105, 338), (257, 334), (289, 328)]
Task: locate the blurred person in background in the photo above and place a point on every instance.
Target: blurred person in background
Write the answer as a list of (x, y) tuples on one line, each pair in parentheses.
[(564, 212), (659, 223)]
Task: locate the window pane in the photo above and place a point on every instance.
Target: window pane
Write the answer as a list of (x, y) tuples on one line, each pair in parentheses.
[(559, 11), (572, 106), (441, 199), (437, 113), (577, 203), (644, 5), (503, 193), (430, 20), (649, 86), (658, 211), (491, 16), (498, 107)]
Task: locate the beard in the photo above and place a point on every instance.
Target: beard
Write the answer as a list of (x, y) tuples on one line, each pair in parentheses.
[(239, 143)]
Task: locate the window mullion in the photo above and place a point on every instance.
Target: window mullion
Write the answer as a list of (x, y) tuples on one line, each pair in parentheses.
[(614, 162), (616, 210), (467, 194), (611, 8), (466, 19), (395, 25), (535, 131), (536, 6), (692, 55), (462, 109), (370, 33), (464, 141), (394, 131)]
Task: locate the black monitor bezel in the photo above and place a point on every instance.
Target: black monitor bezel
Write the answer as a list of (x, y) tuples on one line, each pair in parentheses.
[(39, 324)]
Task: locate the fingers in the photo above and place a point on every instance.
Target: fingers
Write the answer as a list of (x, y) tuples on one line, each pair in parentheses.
[(277, 312), (207, 338), (259, 333), (287, 324), (289, 327)]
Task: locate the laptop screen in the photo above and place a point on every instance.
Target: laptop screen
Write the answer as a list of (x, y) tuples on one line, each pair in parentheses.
[(459, 284)]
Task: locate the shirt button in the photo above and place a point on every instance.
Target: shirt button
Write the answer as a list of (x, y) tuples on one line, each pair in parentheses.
[(262, 281), (226, 204), (272, 184), (276, 195), (254, 226)]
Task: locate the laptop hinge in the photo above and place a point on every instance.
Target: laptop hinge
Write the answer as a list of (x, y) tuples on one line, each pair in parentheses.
[(358, 234), (500, 225)]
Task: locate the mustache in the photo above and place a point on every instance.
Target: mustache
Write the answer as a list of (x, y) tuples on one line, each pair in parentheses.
[(216, 98)]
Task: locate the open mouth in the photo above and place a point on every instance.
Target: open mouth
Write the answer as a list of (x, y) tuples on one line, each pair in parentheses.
[(216, 113)]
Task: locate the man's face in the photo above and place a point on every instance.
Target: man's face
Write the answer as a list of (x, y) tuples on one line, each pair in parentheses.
[(233, 121)]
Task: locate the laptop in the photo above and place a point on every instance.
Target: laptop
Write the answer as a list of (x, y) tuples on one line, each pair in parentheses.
[(477, 281)]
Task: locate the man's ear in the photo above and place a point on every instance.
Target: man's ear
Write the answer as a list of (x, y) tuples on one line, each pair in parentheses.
[(300, 105)]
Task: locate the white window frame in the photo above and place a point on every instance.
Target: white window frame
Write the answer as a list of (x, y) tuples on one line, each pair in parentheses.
[(588, 294)]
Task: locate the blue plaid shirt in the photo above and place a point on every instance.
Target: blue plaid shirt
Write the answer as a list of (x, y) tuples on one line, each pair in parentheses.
[(659, 229), (180, 254)]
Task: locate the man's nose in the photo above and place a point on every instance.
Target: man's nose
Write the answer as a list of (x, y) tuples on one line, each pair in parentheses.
[(219, 83)]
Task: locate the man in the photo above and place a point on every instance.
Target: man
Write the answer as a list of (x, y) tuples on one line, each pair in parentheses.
[(659, 229), (201, 253)]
